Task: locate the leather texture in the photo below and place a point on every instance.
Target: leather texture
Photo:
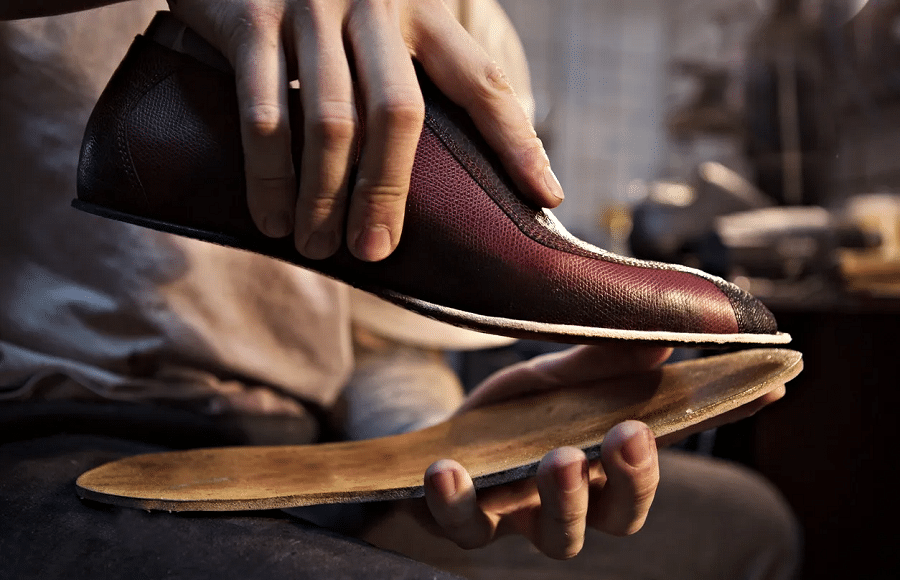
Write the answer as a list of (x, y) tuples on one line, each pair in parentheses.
[(163, 143)]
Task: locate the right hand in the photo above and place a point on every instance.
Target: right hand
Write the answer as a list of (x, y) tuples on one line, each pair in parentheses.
[(568, 494), (329, 45)]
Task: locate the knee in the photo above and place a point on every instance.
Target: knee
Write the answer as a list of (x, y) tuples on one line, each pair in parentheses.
[(753, 528)]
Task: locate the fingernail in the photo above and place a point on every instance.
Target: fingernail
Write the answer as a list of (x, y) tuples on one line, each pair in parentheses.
[(572, 476), (320, 245), (373, 243), (636, 450), (552, 183), (278, 224), (444, 482)]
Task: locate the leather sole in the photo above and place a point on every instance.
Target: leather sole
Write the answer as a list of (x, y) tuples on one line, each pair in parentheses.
[(497, 444)]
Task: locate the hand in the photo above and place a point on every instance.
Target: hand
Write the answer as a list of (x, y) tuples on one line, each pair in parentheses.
[(568, 494), (325, 44)]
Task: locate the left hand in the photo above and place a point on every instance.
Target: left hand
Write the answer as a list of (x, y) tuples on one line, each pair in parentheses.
[(330, 46), (612, 494)]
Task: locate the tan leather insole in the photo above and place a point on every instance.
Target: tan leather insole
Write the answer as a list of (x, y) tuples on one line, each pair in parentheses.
[(496, 444)]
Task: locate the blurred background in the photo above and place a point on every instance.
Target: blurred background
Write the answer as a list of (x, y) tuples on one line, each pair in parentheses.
[(758, 140)]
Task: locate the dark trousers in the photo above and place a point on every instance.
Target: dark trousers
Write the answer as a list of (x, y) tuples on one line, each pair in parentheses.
[(46, 532)]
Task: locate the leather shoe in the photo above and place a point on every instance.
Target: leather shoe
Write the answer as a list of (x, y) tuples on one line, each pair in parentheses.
[(162, 149)]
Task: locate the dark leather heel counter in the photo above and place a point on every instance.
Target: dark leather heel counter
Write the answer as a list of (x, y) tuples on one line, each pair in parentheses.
[(167, 124), (106, 175)]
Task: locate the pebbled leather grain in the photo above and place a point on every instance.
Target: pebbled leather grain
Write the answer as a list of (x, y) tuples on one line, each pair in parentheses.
[(163, 142)]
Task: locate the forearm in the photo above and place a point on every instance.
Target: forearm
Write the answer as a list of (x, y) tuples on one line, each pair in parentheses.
[(15, 9)]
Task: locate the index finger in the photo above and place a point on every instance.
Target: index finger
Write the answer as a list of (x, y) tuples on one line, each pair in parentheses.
[(464, 72)]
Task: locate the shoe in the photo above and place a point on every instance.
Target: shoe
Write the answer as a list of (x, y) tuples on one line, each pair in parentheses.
[(162, 150), (497, 444)]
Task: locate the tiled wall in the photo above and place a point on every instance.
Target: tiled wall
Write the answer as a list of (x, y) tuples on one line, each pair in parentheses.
[(604, 82), (598, 74)]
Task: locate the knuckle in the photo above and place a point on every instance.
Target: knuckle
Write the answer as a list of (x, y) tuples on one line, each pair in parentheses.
[(320, 207), (265, 120), (269, 192), (492, 84), (563, 533), (533, 152), (366, 13), (333, 129), (569, 523), (403, 110), (337, 125), (264, 14), (569, 519), (644, 494), (235, 28), (271, 173), (272, 184), (496, 80), (644, 486), (380, 194)]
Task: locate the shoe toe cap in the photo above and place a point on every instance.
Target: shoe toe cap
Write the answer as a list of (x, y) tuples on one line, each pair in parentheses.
[(753, 317)]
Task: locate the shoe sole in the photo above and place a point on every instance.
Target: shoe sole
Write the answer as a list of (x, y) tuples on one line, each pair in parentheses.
[(522, 329), (497, 444)]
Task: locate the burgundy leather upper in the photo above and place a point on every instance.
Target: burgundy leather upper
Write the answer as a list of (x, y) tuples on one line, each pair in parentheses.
[(164, 143)]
